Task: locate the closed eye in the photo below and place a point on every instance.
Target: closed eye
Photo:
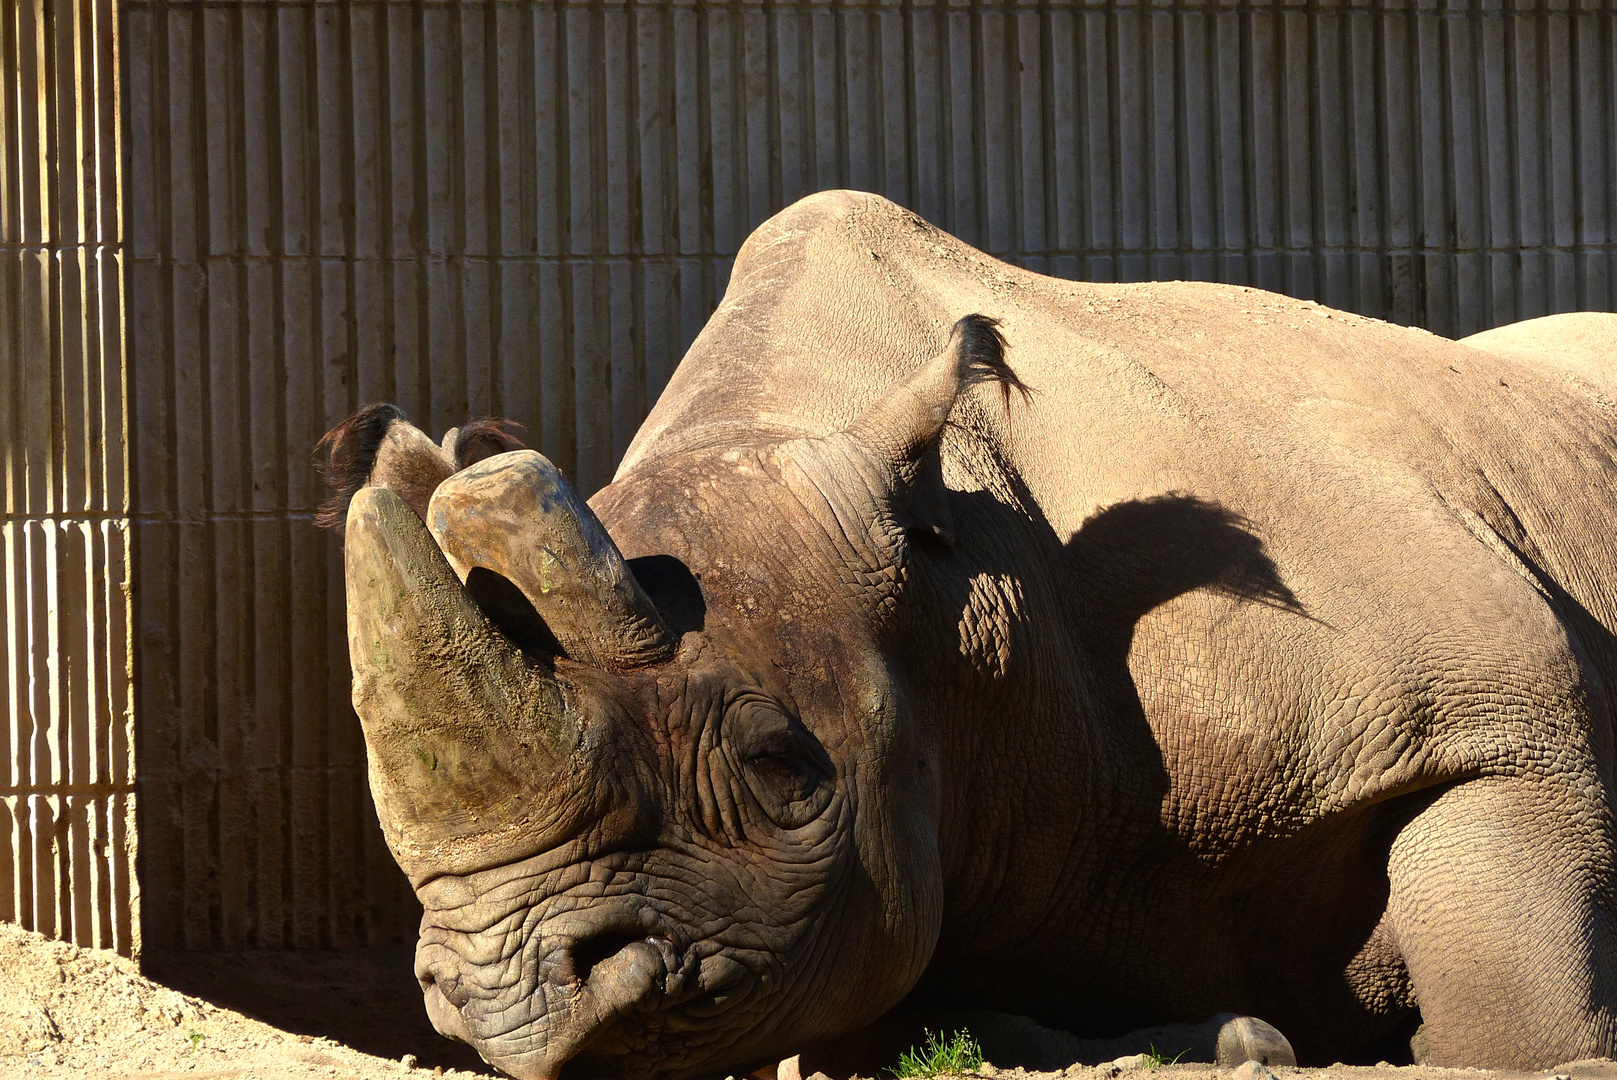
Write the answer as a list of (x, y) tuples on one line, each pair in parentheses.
[(786, 769), (792, 776)]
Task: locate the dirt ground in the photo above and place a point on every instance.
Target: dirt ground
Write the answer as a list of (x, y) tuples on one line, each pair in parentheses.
[(81, 1013), (70, 1012)]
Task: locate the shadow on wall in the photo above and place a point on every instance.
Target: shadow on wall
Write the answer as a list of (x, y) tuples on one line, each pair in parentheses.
[(367, 999)]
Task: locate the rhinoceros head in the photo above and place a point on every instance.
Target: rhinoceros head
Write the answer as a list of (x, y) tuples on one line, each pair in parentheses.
[(667, 816)]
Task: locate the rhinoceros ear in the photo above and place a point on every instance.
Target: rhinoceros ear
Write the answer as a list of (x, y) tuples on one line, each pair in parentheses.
[(478, 439), (349, 451), (902, 431), (379, 447)]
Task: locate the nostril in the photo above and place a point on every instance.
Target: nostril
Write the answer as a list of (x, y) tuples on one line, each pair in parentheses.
[(442, 1011), (592, 951)]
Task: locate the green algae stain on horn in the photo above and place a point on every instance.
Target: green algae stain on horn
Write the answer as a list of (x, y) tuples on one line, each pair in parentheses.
[(549, 568)]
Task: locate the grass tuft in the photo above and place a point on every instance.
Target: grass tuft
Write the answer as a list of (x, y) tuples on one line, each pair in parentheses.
[(940, 1055), (1155, 1060)]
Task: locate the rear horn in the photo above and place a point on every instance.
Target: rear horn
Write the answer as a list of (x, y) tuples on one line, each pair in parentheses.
[(514, 514)]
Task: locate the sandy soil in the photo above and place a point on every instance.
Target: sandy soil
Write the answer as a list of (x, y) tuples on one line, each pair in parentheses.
[(70, 1012)]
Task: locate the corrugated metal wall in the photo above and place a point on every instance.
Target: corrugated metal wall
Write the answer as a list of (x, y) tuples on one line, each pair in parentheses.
[(529, 209), (66, 780)]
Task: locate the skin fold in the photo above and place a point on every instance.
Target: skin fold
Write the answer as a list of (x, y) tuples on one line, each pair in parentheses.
[(954, 638)]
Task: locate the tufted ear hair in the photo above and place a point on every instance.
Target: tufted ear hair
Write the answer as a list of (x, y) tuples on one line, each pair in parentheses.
[(379, 447), (479, 439), (902, 431), (350, 451)]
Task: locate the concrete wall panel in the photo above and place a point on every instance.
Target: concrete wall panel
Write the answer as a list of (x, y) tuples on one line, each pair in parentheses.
[(67, 801), (529, 208)]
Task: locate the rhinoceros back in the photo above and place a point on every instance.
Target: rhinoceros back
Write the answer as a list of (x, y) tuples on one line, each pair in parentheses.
[(1320, 427)]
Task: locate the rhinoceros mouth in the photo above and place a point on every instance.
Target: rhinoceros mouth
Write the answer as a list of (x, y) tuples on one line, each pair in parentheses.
[(723, 984), (596, 991)]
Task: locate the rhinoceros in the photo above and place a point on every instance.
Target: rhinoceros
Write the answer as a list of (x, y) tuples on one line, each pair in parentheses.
[(953, 637)]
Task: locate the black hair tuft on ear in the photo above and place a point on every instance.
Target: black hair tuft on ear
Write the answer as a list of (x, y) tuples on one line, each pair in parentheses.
[(479, 439), (350, 450), (984, 349)]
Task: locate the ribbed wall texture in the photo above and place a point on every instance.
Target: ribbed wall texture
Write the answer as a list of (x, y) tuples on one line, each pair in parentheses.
[(66, 780), (529, 209)]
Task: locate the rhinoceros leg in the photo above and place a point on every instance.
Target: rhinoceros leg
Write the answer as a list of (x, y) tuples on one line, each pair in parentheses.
[(1502, 905), (1009, 1041)]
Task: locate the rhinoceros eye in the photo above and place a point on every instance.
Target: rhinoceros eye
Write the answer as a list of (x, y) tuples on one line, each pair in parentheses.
[(786, 769)]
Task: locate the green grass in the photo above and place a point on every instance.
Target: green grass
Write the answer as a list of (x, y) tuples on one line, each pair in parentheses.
[(1155, 1060), (940, 1055), (196, 1038)]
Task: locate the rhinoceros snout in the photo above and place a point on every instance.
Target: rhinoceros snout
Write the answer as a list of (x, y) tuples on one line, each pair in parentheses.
[(571, 998)]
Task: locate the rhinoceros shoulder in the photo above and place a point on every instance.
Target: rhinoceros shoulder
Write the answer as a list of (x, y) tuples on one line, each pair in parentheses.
[(1365, 455)]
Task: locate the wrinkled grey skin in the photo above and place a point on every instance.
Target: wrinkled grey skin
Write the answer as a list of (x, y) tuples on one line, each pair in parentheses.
[(1261, 662)]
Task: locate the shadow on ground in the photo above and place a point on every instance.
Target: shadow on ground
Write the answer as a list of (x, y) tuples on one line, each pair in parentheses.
[(367, 999)]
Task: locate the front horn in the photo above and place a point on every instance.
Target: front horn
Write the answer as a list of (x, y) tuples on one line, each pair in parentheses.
[(516, 515), (478, 755)]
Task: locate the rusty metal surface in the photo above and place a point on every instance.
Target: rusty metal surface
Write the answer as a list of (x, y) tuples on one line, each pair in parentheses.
[(529, 209), (67, 778)]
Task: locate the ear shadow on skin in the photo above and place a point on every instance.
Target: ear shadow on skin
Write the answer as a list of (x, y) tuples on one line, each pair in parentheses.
[(1137, 555)]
